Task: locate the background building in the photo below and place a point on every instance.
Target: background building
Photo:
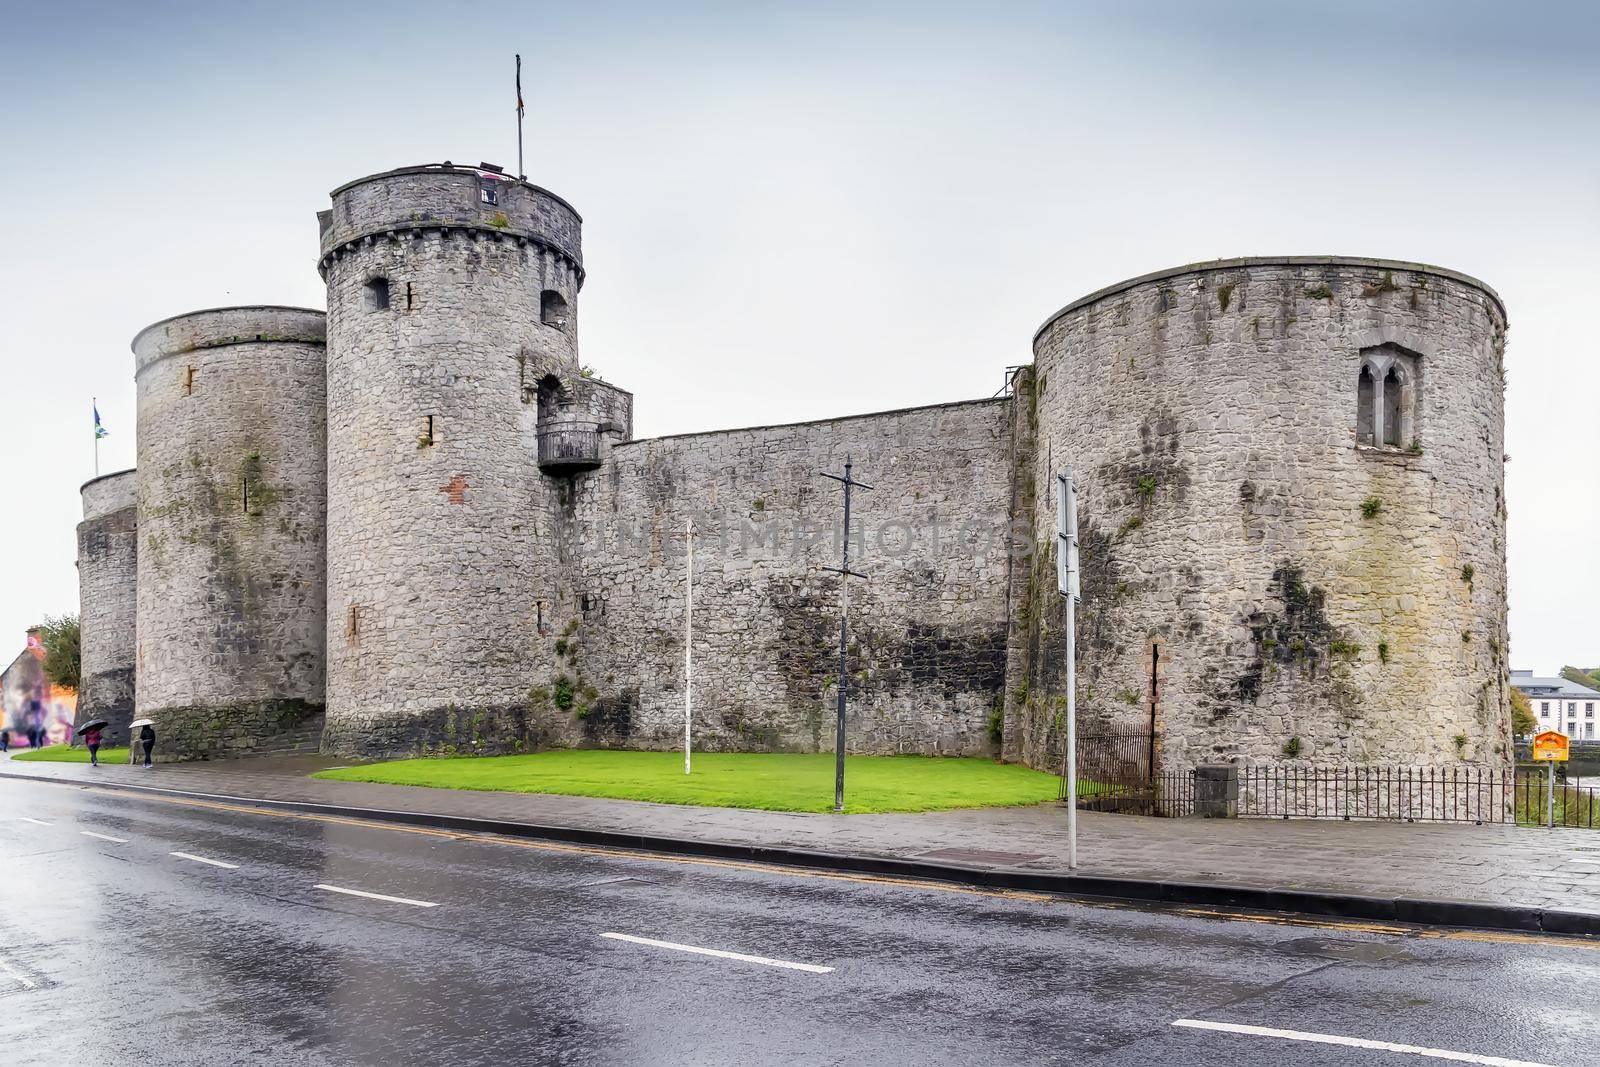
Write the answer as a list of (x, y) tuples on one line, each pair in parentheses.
[(29, 701), (1560, 705)]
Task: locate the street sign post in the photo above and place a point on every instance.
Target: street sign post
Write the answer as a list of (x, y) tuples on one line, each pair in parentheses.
[(1550, 748), (1068, 585), (688, 637)]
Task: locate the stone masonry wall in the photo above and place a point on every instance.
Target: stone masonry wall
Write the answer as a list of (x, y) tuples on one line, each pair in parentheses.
[(442, 539), (927, 646), (1257, 583), (231, 499), (108, 545)]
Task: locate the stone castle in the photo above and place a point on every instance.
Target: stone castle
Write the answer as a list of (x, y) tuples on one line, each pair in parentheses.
[(416, 524)]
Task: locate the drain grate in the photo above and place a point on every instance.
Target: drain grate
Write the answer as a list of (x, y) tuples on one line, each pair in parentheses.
[(984, 856)]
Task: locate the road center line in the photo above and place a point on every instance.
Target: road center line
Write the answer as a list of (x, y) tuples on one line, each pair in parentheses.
[(377, 896), (104, 837), (1356, 1042), (811, 967), (202, 859), (24, 980), (36, 822)]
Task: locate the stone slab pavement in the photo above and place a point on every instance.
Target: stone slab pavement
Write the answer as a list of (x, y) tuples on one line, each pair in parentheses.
[(1503, 865)]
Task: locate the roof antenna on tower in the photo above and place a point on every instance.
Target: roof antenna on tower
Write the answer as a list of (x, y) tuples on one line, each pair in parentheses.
[(521, 176)]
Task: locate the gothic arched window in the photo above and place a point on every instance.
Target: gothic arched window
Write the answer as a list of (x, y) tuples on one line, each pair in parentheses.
[(1389, 398), (1365, 412)]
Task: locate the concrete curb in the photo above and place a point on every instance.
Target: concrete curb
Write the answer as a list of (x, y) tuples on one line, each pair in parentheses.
[(1414, 911)]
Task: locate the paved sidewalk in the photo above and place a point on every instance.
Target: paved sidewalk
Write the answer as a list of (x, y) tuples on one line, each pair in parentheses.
[(1557, 869)]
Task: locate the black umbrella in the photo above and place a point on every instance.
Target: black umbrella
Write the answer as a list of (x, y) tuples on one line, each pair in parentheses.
[(91, 724)]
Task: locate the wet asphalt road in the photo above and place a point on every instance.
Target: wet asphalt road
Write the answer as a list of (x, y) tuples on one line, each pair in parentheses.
[(118, 952)]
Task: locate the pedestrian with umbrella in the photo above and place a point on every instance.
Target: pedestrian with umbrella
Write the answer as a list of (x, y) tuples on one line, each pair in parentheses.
[(147, 737), (91, 738)]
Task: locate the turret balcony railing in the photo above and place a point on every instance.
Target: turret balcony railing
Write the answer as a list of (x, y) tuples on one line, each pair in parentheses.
[(569, 448)]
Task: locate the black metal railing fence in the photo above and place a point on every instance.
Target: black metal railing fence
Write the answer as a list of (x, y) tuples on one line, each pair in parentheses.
[(1115, 773)]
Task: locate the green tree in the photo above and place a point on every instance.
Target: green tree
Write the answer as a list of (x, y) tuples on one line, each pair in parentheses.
[(1522, 721), (60, 637), (1579, 676)]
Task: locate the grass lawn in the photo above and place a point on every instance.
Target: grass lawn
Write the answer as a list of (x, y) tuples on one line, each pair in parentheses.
[(70, 754), (768, 781)]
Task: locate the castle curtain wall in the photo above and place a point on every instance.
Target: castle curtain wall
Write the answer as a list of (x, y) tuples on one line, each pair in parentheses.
[(928, 623)]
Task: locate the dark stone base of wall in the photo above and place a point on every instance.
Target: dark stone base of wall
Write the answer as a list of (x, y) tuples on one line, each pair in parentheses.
[(109, 696), (242, 729), (513, 728), (447, 731)]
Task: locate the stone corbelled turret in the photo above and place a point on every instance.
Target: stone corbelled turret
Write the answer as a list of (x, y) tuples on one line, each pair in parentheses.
[(452, 300)]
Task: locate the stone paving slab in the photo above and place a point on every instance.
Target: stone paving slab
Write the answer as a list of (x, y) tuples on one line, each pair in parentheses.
[(1508, 865)]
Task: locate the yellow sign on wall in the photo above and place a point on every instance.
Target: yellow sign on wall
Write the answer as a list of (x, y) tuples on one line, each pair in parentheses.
[(1551, 746)]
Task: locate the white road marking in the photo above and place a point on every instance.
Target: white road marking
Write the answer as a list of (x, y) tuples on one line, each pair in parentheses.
[(202, 859), (377, 896), (1357, 1042), (104, 837), (36, 822), (1575, 860), (811, 967), (27, 983)]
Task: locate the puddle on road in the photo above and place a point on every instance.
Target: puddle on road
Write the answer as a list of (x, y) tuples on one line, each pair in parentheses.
[(1329, 948)]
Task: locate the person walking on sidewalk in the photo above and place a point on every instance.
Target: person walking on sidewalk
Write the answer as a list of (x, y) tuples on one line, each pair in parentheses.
[(147, 741), (5, 740), (91, 739)]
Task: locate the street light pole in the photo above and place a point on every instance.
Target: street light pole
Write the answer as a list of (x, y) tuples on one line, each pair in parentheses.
[(845, 574)]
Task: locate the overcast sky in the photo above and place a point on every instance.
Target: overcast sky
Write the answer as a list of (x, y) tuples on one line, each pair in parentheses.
[(797, 211)]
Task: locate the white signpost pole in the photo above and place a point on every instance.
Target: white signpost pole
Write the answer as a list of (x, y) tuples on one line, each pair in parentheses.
[(1067, 583), (688, 636)]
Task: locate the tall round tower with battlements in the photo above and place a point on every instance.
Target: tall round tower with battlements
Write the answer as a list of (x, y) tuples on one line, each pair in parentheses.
[(232, 495), (1292, 515), (108, 552), (452, 343)]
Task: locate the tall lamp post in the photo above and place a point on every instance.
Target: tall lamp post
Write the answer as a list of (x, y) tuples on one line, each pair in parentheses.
[(845, 574)]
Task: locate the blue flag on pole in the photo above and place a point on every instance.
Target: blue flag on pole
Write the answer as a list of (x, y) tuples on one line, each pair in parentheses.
[(99, 430)]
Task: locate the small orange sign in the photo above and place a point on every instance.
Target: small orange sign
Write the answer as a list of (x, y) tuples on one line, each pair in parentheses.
[(1551, 746)]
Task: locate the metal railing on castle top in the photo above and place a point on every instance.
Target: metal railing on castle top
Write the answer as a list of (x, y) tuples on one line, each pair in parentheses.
[(1114, 774)]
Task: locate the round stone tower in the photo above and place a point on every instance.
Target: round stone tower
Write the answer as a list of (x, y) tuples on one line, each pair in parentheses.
[(452, 342), (108, 546), (1291, 508), (232, 502)]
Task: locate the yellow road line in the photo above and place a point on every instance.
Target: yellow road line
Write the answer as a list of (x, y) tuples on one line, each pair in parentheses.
[(1271, 918)]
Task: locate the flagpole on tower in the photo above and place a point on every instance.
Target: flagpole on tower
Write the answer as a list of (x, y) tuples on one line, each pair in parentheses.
[(521, 174), (94, 406)]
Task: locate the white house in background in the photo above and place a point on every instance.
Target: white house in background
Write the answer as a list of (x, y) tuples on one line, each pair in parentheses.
[(1561, 705)]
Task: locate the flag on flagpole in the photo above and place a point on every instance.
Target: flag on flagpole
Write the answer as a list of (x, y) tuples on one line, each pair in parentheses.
[(99, 429), (519, 86)]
